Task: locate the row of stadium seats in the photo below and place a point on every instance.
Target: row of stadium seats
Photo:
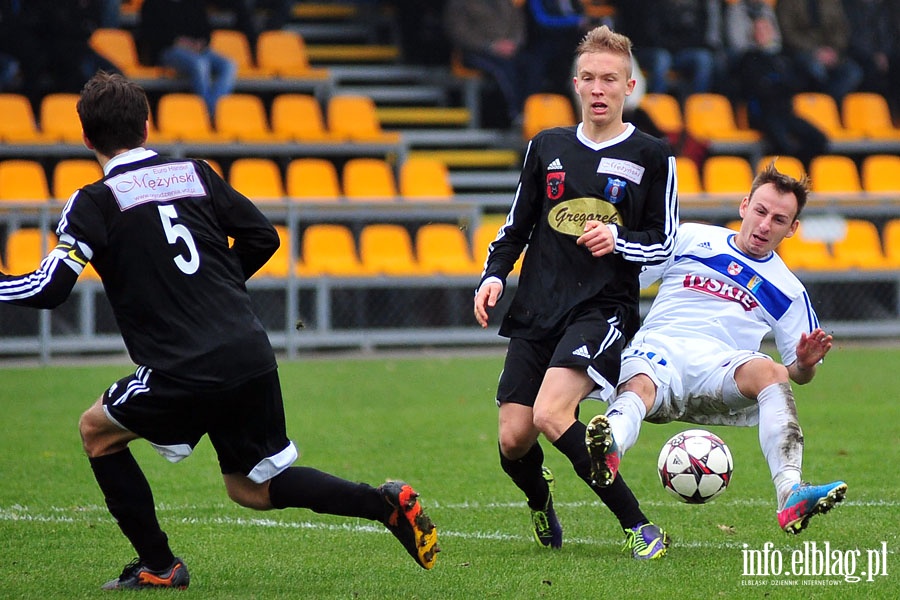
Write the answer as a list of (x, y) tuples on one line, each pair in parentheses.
[(325, 249), (828, 173), (315, 179), (183, 117)]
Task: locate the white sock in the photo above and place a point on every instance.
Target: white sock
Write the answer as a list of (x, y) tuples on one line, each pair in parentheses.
[(625, 415), (780, 437)]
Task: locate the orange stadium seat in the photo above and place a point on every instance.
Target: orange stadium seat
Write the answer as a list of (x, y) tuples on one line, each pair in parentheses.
[(184, 117), (386, 249), (71, 174), (17, 121), (821, 110), (368, 179), (282, 52), (860, 248), (423, 178), (442, 249), (26, 248), (313, 179), (278, 264), (59, 119), (234, 45), (710, 117), (299, 118), (881, 173), (800, 253), (788, 165), (23, 180), (831, 173), (329, 249), (118, 46), (869, 113), (688, 176), (546, 110), (891, 237), (665, 112), (256, 178), (727, 174), (242, 117), (354, 118)]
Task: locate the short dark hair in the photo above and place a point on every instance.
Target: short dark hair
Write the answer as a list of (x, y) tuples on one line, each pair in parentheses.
[(784, 183), (113, 113)]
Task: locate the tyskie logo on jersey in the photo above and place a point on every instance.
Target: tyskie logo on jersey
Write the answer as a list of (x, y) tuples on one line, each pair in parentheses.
[(721, 289), (556, 184)]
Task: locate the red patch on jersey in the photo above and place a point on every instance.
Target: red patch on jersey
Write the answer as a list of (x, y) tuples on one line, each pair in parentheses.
[(555, 184)]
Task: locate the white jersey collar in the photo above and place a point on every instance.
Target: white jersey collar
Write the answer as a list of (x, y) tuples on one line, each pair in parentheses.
[(579, 133), (133, 155)]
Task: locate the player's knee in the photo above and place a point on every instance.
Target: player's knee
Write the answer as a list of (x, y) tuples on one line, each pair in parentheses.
[(245, 493), (513, 446), (641, 385)]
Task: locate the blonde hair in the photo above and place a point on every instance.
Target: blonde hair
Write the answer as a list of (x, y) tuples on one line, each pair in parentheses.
[(604, 39)]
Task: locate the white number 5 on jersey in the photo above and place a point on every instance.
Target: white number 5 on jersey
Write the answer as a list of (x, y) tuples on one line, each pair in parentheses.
[(176, 231)]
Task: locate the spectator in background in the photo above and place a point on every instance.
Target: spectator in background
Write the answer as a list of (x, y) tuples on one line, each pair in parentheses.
[(555, 27), (680, 36), (176, 33), (738, 18), (874, 45), (816, 35), (770, 81), (490, 34)]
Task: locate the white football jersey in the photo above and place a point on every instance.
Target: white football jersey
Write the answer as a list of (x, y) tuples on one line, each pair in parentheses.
[(709, 288)]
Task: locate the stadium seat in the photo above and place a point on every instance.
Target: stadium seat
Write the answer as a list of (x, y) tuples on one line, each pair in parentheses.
[(485, 233), (242, 117), (118, 46), (727, 175), (734, 225), (386, 249), (368, 179), (891, 238), (184, 117), (860, 248), (282, 52), (299, 118), (800, 253), (788, 165), (23, 180), (71, 174), (17, 122), (710, 117), (329, 249), (354, 118), (26, 247), (545, 110), (59, 120), (442, 249), (688, 176), (869, 113), (256, 178), (423, 178), (665, 112), (821, 110), (881, 173), (832, 173), (234, 45), (313, 179), (278, 264)]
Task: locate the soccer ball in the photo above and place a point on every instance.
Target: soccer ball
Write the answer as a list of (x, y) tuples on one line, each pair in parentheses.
[(695, 466)]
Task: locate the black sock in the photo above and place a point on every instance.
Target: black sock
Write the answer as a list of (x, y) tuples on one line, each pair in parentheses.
[(618, 496), (304, 487), (130, 502), (526, 474)]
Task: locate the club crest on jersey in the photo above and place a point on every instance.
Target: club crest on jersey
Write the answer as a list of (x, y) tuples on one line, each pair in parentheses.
[(555, 184), (614, 190), (734, 269)]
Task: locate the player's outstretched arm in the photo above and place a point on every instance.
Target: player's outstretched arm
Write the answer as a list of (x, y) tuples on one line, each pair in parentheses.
[(811, 348)]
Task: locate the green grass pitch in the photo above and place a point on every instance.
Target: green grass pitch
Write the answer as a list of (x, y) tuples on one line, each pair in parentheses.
[(432, 422)]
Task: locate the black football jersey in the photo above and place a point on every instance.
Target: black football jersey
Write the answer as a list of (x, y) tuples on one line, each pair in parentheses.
[(157, 232), (566, 180)]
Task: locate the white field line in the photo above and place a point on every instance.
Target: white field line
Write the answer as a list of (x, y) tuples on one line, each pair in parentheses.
[(93, 513)]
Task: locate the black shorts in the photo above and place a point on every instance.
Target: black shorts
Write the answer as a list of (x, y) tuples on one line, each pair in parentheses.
[(245, 424), (590, 342)]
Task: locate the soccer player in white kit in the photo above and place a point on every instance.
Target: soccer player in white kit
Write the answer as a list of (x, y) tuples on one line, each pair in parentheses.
[(696, 357)]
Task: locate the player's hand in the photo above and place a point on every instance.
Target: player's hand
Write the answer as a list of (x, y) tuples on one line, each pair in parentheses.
[(813, 347), (597, 238), (485, 299)]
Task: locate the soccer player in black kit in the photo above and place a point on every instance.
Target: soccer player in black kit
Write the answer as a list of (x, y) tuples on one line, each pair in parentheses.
[(156, 230), (593, 204)]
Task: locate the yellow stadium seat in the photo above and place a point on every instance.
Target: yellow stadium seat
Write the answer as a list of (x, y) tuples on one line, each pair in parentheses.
[(710, 117), (386, 249), (185, 117), (17, 122), (881, 173), (485, 233), (242, 117), (869, 113), (23, 180), (118, 46), (665, 112), (860, 248), (256, 178), (59, 119), (278, 264), (830, 173), (330, 250), (891, 238), (442, 249), (71, 174), (821, 110), (26, 248), (313, 179), (727, 174), (800, 253), (354, 118), (299, 118), (788, 165), (688, 176), (734, 225), (545, 110), (368, 179), (423, 178), (283, 52), (234, 45)]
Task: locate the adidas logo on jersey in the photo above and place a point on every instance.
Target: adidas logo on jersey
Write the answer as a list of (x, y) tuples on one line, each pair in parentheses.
[(555, 165), (706, 245), (582, 352)]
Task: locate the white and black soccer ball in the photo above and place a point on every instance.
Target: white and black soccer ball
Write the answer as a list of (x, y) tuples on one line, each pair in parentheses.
[(695, 466)]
